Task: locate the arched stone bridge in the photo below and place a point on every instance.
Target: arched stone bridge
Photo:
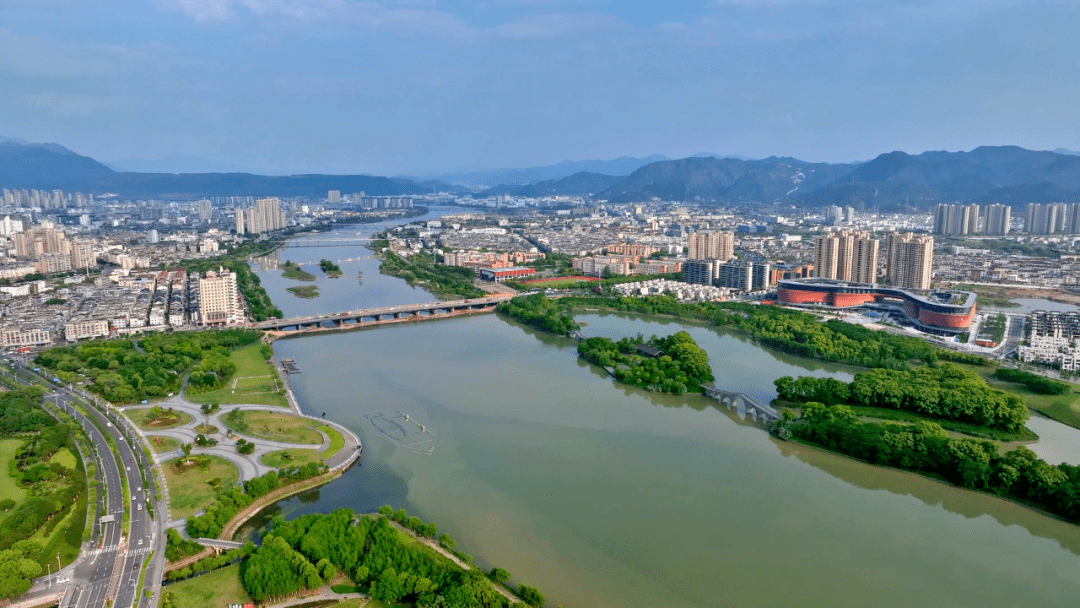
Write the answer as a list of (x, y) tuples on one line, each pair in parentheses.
[(765, 413)]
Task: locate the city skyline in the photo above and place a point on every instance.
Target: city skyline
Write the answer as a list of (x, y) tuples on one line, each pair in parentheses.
[(297, 86)]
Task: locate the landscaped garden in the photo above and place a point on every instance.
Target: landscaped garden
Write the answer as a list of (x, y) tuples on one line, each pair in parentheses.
[(194, 482), (274, 426), (255, 380), (291, 458), (158, 418), (163, 444)]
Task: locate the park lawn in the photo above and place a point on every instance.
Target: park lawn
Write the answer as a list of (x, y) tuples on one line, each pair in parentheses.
[(9, 487), (140, 418), (214, 590), (64, 458), (299, 458), (163, 444), (367, 603), (275, 427), (255, 381), (189, 491), (957, 426), (555, 284), (336, 440)]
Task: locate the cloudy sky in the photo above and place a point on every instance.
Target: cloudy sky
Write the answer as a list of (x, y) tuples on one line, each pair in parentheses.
[(417, 86)]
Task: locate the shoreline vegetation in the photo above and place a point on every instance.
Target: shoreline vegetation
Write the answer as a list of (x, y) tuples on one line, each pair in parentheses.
[(307, 292), (420, 268), (292, 270), (330, 269), (923, 390), (675, 364)]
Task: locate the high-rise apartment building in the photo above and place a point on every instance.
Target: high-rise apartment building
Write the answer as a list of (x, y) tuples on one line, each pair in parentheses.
[(1052, 218), (265, 216), (864, 259), (82, 254), (333, 197), (846, 256), (910, 260), (998, 217), (219, 302), (711, 246), (38, 241), (956, 220), (701, 272)]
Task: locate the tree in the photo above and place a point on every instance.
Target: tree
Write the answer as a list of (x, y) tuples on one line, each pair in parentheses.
[(386, 510), (187, 451), (531, 595), (499, 575)]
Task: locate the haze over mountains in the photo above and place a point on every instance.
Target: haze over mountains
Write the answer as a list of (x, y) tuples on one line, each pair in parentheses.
[(1006, 174)]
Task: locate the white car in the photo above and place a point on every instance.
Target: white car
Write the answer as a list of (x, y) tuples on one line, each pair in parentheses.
[(140, 509), (132, 498), (140, 542)]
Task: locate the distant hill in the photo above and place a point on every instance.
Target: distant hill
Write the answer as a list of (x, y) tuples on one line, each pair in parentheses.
[(173, 163), (1007, 174), (727, 179), (582, 183), (44, 166), (624, 165), (49, 166), (165, 185)]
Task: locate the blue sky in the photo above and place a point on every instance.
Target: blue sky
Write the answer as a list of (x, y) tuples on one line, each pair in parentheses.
[(418, 86)]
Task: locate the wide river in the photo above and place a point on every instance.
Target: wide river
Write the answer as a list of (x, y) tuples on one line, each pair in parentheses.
[(603, 495)]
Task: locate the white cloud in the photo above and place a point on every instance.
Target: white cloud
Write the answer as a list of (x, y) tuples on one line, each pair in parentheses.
[(400, 16)]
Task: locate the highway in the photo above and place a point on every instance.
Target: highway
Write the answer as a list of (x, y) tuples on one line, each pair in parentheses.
[(111, 569)]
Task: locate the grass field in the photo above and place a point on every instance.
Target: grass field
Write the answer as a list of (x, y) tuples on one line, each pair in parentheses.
[(217, 589), (255, 381), (64, 458), (9, 488), (554, 283), (166, 421), (281, 458), (274, 426), (336, 440), (189, 491), (163, 444), (995, 297)]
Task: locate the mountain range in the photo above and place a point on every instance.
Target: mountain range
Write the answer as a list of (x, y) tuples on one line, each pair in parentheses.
[(894, 180)]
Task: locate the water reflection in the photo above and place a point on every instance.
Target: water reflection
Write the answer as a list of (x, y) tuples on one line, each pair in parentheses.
[(970, 504)]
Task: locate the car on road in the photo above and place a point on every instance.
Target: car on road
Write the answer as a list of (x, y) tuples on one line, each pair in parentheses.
[(140, 507), (134, 566), (131, 460), (128, 468), (140, 542), (132, 498)]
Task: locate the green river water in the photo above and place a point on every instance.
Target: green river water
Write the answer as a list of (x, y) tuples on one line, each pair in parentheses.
[(604, 495)]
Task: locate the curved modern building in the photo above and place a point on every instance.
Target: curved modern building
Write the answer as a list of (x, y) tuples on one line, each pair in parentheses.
[(950, 311)]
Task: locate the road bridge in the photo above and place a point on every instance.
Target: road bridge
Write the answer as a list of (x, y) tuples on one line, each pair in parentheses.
[(328, 243), (379, 316), (765, 413)]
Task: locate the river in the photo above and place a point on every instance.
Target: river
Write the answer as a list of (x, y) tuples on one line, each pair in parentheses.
[(603, 495)]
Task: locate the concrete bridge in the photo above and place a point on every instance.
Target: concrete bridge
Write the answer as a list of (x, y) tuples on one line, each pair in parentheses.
[(765, 413), (328, 242), (380, 316)]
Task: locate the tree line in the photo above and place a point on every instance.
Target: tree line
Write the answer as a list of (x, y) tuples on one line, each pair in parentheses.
[(123, 374), (1038, 384), (370, 551), (233, 500), (437, 278), (944, 391), (788, 330), (53, 490), (539, 312), (927, 448), (679, 364)]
